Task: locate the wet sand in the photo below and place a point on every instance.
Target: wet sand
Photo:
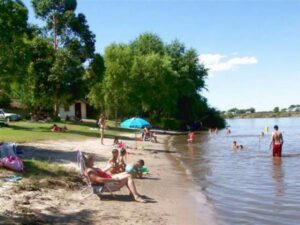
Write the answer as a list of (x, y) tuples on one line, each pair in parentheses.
[(168, 190)]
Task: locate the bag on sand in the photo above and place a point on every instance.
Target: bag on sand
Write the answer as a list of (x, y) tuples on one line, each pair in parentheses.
[(13, 163)]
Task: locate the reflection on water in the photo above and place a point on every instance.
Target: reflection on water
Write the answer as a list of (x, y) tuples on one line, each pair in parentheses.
[(247, 186), (278, 176)]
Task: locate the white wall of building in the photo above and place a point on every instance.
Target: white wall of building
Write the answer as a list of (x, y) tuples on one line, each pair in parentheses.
[(71, 112), (83, 110)]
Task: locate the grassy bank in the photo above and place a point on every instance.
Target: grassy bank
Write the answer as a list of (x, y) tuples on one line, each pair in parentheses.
[(25, 131), (41, 174)]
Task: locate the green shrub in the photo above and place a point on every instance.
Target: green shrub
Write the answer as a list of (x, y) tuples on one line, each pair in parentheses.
[(4, 100), (169, 123)]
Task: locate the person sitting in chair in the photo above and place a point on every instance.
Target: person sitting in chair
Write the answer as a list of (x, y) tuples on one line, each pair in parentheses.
[(114, 182)]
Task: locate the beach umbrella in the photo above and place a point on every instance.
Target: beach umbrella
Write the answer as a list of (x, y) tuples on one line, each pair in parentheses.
[(135, 122)]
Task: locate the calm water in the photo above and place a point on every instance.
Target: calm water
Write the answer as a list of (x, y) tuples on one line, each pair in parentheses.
[(247, 186)]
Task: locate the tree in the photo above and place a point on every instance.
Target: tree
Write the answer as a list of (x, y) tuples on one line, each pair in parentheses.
[(154, 80), (14, 53), (34, 89), (251, 110), (73, 44), (276, 109)]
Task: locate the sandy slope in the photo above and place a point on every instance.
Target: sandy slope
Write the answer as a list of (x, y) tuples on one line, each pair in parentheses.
[(167, 189)]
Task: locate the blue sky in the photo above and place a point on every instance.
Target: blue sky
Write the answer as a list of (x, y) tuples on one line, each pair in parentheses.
[(251, 47)]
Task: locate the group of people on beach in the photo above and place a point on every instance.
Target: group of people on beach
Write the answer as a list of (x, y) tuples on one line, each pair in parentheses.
[(147, 134), (117, 173), (110, 182)]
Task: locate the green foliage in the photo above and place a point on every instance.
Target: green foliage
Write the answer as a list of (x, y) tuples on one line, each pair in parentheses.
[(4, 100), (35, 90), (152, 79), (57, 70), (276, 110), (68, 30), (169, 123), (236, 111), (13, 30)]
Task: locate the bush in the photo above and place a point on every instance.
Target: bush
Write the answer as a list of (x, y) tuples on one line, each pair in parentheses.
[(4, 100), (168, 123), (56, 119)]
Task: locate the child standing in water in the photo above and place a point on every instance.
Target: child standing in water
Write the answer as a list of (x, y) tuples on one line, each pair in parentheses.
[(191, 137)]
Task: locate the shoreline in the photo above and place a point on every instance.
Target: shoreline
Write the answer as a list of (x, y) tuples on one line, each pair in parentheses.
[(169, 190), (198, 201)]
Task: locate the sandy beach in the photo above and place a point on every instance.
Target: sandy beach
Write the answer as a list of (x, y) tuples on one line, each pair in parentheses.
[(168, 190)]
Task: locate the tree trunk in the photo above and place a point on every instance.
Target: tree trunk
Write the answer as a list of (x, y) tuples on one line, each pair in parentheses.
[(116, 118), (54, 33), (55, 109)]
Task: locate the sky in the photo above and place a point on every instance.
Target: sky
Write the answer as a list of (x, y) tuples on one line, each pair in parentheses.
[(252, 47)]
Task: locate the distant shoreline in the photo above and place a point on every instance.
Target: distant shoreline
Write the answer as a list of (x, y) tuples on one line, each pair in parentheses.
[(263, 115)]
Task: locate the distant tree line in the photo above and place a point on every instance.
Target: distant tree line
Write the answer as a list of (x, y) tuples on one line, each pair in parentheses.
[(236, 112), (45, 67)]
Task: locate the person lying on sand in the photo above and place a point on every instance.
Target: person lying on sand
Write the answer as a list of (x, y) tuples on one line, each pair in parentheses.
[(236, 146), (56, 128), (97, 176)]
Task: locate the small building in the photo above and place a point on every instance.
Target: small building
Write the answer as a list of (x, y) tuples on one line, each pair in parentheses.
[(75, 110)]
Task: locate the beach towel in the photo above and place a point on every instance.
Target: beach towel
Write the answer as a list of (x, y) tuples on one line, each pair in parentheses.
[(13, 163)]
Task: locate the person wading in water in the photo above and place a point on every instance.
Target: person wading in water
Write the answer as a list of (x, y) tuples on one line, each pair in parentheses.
[(276, 142)]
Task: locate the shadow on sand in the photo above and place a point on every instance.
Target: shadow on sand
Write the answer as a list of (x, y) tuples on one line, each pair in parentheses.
[(35, 217), (53, 156), (124, 198)]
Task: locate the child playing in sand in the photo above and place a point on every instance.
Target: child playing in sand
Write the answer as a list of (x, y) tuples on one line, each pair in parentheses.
[(114, 166), (122, 163), (119, 144), (116, 141), (137, 169), (236, 146)]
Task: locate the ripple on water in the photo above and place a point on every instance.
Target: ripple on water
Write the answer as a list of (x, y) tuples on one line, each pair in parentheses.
[(247, 186)]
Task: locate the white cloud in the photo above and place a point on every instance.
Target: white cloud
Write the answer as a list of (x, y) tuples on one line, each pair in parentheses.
[(218, 62)]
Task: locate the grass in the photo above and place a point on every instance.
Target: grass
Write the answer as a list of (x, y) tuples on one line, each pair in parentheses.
[(26, 131), (41, 174)]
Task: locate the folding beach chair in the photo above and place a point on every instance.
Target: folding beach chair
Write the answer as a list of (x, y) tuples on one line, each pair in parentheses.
[(91, 188)]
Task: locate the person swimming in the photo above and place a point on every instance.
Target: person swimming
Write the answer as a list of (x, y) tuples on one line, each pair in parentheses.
[(236, 146)]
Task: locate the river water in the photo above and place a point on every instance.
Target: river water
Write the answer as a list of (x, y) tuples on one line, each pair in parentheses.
[(247, 186)]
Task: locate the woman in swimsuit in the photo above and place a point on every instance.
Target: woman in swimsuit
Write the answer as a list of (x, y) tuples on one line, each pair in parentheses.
[(101, 125)]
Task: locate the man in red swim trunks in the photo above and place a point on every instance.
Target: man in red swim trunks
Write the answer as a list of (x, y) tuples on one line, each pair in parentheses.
[(277, 142)]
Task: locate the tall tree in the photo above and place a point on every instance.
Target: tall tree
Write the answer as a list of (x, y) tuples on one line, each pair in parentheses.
[(34, 87), (155, 80), (73, 43)]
